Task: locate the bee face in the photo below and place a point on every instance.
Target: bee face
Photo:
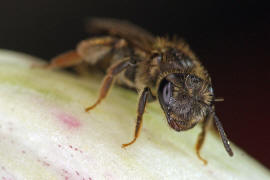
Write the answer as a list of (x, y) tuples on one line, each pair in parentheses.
[(185, 100)]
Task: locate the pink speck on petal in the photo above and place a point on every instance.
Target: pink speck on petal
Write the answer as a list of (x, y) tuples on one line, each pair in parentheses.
[(45, 163), (68, 120), (65, 171)]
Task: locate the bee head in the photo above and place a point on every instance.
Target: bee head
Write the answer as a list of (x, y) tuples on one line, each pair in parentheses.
[(185, 99)]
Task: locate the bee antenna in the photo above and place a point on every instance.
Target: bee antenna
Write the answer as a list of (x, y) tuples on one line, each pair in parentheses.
[(219, 99), (223, 135)]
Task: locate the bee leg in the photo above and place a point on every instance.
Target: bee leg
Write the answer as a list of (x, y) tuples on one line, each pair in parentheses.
[(66, 59), (205, 127), (141, 107), (108, 80)]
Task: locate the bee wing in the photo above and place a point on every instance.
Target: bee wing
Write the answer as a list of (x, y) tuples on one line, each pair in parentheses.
[(132, 33)]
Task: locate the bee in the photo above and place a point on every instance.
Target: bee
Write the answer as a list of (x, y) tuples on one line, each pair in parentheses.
[(158, 68)]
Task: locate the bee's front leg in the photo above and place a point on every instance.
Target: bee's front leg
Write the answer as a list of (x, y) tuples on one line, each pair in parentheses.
[(141, 107), (205, 127), (114, 70)]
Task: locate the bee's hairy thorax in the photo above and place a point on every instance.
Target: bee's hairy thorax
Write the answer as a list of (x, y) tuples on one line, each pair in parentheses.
[(169, 58)]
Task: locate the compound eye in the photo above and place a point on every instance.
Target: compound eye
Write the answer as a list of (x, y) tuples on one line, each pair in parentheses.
[(167, 92)]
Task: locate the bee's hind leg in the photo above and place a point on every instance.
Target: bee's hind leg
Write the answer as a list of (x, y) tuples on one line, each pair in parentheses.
[(114, 70), (67, 59)]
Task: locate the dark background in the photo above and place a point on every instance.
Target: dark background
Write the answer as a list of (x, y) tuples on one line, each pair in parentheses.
[(231, 38)]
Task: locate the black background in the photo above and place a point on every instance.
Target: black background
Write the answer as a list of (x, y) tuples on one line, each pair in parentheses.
[(230, 37)]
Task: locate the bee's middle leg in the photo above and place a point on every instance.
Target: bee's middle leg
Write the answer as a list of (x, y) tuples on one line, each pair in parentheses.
[(141, 107), (114, 70)]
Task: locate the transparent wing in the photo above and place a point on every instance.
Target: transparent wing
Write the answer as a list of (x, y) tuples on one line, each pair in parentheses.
[(132, 33)]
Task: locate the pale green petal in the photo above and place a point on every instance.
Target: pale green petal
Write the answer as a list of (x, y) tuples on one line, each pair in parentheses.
[(45, 133)]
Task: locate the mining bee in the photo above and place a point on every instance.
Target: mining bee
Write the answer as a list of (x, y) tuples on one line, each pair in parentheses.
[(158, 68)]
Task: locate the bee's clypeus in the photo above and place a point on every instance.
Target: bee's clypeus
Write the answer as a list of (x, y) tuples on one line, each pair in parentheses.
[(159, 68)]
